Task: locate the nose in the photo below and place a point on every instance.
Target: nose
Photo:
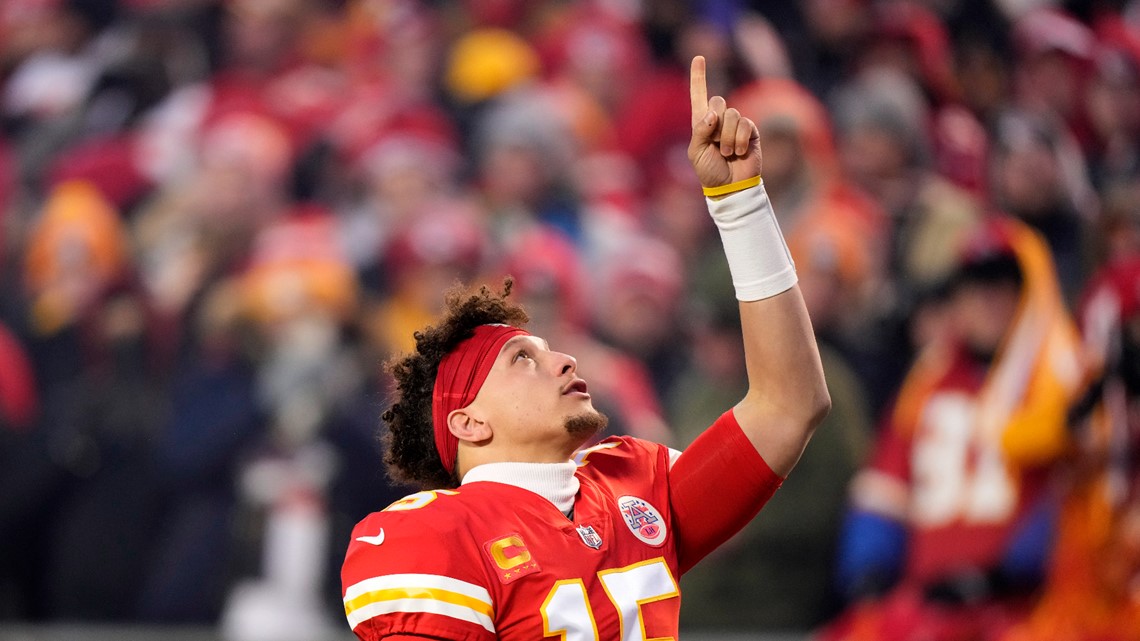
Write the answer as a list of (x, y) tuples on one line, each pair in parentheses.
[(565, 363)]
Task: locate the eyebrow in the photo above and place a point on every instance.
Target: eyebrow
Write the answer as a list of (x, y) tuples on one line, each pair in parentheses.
[(513, 342)]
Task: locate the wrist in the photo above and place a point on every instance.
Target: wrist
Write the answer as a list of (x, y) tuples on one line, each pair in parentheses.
[(721, 191), (758, 257)]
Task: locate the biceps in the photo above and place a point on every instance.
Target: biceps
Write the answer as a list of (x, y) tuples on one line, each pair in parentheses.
[(716, 487)]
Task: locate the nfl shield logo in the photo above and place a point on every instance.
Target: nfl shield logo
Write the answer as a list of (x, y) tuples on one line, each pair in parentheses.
[(589, 536)]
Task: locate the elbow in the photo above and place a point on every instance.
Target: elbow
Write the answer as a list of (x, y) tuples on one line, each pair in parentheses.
[(781, 428), (811, 408), (800, 413), (819, 407)]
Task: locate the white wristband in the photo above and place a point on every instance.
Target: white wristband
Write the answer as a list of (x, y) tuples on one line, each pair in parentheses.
[(758, 257)]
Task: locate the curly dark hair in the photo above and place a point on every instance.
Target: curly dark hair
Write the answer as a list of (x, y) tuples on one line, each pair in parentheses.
[(409, 442)]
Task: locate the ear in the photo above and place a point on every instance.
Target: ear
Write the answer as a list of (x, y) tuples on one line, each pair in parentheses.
[(465, 426)]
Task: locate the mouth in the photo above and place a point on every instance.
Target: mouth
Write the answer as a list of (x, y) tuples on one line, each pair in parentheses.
[(576, 387)]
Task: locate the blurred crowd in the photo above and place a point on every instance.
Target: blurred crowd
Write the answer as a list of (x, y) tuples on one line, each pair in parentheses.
[(219, 217)]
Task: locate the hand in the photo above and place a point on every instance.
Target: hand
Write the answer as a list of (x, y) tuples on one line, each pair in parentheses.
[(725, 147)]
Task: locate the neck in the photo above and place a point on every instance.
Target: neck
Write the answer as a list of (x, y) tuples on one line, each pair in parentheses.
[(554, 482)]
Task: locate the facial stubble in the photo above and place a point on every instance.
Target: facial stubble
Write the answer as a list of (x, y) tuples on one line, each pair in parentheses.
[(586, 424)]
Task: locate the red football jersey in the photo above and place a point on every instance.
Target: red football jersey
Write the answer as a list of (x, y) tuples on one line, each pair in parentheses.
[(959, 495), (493, 561)]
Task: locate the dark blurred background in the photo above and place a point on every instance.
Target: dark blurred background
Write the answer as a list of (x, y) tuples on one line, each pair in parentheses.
[(219, 217)]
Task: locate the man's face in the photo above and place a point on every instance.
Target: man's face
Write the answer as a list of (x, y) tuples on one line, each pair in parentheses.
[(783, 156), (983, 313), (1027, 179), (535, 403)]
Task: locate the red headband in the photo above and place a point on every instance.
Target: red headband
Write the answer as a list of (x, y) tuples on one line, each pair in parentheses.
[(460, 376)]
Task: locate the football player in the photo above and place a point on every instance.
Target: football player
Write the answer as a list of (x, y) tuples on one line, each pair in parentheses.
[(519, 534)]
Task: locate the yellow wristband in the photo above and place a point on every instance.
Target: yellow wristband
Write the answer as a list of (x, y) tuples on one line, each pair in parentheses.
[(730, 188)]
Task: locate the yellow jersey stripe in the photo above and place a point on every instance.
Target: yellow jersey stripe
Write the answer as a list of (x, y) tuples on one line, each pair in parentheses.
[(396, 594), (429, 606), (416, 593), (409, 581)]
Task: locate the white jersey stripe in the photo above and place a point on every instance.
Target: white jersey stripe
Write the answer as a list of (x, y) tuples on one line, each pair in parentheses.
[(411, 581), (430, 606)]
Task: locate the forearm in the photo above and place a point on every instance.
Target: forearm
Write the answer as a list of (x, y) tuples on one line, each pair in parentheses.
[(787, 395)]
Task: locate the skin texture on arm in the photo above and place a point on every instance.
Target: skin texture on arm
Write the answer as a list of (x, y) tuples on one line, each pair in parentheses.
[(787, 396)]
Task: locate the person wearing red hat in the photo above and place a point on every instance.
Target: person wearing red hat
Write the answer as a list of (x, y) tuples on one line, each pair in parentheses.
[(518, 534), (1055, 50)]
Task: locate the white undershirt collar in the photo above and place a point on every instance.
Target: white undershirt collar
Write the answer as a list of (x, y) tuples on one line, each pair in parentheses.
[(554, 482)]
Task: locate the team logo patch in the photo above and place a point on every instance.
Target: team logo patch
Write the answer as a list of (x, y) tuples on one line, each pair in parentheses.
[(511, 558), (643, 520), (589, 536)]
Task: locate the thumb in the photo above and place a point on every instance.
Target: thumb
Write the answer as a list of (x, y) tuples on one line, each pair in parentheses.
[(705, 130)]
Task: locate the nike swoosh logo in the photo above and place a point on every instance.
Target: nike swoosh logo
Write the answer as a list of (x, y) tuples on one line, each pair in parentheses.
[(374, 540)]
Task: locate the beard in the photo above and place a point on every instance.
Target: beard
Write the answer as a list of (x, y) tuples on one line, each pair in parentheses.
[(586, 424)]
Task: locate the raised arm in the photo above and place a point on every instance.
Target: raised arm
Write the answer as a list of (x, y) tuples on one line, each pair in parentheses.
[(787, 396), (729, 472)]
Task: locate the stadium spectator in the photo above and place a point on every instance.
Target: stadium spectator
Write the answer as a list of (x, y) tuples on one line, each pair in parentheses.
[(444, 243), (884, 142), (1112, 103), (950, 522), (106, 422), (1055, 55), (213, 423), (1029, 182)]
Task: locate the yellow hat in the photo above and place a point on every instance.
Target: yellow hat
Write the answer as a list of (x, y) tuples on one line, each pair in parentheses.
[(77, 239), (298, 265), (76, 216), (487, 62)]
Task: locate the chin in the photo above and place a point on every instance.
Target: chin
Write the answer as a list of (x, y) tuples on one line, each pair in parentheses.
[(586, 424)]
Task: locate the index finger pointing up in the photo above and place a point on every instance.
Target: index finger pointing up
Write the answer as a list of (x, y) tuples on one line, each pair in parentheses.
[(698, 91)]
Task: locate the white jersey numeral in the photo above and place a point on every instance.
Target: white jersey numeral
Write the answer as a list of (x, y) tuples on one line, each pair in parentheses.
[(958, 474), (566, 611)]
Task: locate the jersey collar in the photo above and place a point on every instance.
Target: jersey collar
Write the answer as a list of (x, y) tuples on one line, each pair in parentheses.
[(554, 482)]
